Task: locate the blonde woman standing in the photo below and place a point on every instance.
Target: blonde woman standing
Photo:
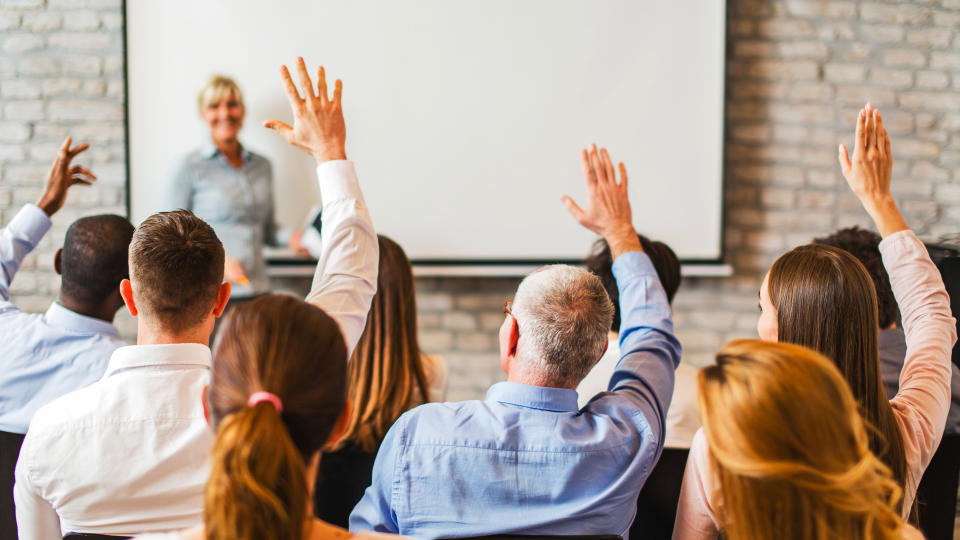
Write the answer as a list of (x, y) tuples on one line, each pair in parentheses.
[(229, 187)]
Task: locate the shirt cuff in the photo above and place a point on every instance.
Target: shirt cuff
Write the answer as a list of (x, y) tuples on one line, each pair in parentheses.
[(30, 222), (633, 264), (338, 181), (900, 242)]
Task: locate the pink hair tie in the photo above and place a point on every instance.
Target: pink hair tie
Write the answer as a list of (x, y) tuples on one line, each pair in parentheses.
[(260, 397)]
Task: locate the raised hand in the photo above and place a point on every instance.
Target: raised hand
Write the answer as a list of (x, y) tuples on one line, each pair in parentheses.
[(318, 126), (868, 173), (608, 207), (62, 176)]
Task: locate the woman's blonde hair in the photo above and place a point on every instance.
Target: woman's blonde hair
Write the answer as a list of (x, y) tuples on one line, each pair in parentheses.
[(790, 448), (386, 376), (217, 88)]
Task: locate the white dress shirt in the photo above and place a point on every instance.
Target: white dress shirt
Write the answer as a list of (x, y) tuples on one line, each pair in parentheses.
[(44, 355), (129, 454)]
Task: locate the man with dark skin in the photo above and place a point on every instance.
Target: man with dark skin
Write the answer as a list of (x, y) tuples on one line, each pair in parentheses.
[(67, 347)]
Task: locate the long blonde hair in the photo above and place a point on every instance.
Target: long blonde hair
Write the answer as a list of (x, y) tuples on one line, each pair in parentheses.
[(386, 373), (790, 448)]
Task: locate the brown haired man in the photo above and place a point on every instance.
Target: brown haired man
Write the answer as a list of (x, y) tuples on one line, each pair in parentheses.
[(128, 454)]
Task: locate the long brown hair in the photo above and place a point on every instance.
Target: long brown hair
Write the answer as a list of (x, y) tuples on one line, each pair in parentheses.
[(386, 373), (825, 300), (790, 448), (282, 345)]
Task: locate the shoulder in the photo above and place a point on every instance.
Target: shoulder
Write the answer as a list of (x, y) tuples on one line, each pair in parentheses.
[(65, 412)]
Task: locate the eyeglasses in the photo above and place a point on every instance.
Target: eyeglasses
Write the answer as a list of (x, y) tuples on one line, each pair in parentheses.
[(508, 308)]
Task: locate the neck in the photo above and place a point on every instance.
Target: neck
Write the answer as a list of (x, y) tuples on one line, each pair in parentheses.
[(229, 148), (149, 334), (103, 312), (532, 378)]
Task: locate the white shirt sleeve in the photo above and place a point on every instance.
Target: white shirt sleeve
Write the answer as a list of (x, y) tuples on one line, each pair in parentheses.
[(18, 239), (36, 518), (346, 276)]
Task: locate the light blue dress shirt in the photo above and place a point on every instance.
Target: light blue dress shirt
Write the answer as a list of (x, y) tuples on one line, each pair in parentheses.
[(526, 460), (238, 204), (44, 355)]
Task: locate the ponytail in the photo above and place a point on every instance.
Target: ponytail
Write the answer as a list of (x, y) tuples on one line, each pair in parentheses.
[(257, 486)]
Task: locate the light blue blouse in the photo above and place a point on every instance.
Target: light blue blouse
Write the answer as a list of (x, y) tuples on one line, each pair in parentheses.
[(238, 204)]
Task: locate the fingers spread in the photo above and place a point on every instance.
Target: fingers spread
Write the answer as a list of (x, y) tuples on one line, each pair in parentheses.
[(337, 91), (304, 78), (322, 84), (73, 153), (573, 208), (608, 166), (280, 127), (83, 171), (65, 147), (295, 101), (588, 174), (596, 164), (623, 175), (844, 159)]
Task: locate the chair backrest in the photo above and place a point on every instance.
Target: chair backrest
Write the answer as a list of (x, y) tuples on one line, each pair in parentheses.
[(92, 536)]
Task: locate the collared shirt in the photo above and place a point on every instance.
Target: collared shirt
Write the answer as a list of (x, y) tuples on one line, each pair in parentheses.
[(238, 204), (44, 355), (129, 454), (526, 460)]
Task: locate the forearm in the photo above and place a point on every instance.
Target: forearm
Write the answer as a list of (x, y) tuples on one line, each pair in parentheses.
[(346, 276), (885, 214), (649, 350), (17, 240), (623, 240)]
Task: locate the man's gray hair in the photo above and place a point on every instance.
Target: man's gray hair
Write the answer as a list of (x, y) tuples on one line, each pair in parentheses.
[(564, 315)]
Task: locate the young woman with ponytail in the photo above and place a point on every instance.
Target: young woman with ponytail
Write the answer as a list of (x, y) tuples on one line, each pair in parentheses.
[(790, 450), (823, 298), (277, 395)]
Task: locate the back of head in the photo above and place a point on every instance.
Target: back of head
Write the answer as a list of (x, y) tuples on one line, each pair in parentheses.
[(865, 246), (563, 314), (386, 372), (282, 345), (176, 266), (825, 300), (790, 448), (665, 262), (94, 258)]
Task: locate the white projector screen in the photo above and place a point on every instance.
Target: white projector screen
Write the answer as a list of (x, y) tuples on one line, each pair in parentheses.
[(465, 118)]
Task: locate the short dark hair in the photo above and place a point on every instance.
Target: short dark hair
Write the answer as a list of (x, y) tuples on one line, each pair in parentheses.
[(865, 246), (94, 258), (176, 264), (664, 260)]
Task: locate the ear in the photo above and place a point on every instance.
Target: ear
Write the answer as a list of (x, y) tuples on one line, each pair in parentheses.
[(513, 336), (126, 292), (223, 296), (58, 262), (606, 345), (342, 423)]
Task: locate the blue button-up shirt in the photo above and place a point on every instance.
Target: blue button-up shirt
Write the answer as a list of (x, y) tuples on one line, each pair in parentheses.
[(526, 460), (238, 204), (44, 356)]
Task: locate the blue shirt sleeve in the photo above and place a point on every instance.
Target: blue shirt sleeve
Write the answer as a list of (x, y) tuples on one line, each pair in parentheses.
[(644, 378), (17, 240), (375, 512)]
